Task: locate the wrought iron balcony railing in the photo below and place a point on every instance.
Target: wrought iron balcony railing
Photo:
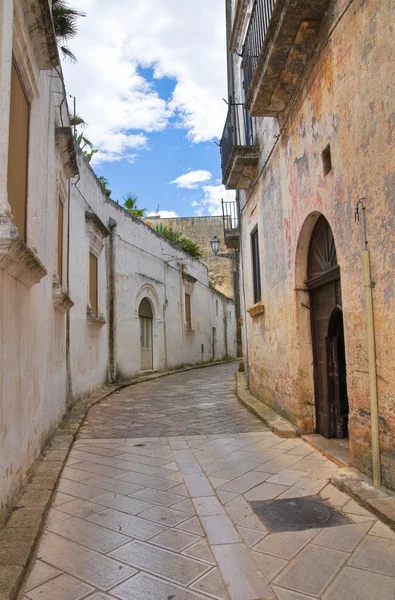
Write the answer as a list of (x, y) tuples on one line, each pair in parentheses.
[(257, 30), (237, 148), (231, 224)]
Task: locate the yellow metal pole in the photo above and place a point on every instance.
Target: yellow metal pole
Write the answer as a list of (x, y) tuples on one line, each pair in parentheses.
[(372, 369)]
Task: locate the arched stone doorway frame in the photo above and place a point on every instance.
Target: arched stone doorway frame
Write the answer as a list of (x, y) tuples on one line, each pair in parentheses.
[(307, 358), (148, 291), (304, 385)]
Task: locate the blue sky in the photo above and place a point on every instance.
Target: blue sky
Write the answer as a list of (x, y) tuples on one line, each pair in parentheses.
[(151, 94)]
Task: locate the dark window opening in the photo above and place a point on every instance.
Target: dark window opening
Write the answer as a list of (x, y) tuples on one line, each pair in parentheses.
[(188, 311), (327, 160), (256, 269)]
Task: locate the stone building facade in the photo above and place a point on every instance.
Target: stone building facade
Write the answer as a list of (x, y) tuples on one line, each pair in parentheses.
[(88, 294), (310, 133)]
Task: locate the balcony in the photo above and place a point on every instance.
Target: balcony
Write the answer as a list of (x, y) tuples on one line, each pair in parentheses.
[(238, 154), (231, 224), (279, 42)]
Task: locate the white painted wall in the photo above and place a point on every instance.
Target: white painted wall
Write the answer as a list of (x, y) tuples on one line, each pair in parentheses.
[(35, 385)]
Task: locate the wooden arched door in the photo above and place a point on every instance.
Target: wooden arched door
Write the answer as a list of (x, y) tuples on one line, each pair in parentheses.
[(327, 333), (146, 337)]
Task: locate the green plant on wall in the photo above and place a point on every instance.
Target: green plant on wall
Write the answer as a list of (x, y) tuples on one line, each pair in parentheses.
[(130, 203), (104, 185), (179, 240), (65, 21)]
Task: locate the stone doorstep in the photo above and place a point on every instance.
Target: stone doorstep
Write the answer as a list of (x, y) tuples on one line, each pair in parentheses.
[(380, 501), (32, 503), (272, 420)]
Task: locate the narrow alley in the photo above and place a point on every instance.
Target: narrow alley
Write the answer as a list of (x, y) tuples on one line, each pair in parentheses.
[(156, 502)]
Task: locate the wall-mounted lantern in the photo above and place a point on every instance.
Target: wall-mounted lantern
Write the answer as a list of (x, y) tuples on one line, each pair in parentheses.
[(215, 244)]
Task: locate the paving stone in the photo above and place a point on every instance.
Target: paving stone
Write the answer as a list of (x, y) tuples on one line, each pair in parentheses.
[(90, 459), (356, 509), (269, 565), (236, 514), (245, 482), (164, 515), (146, 481), (157, 497), (334, 496), (208, 505), (176, 567), (283, 594), (61, 498), (382, 530), (129, 525), (212, 585), (80, 508), (277, 464), (55, 516), (241, 574), (83, 563), (345, 537), (253, 522), (185, 506), (354, 584), (113, 485), (126, 504), (226, 496), (75, 474), (304, 487), (174, 539), (286, 477), (61, 588), (147, 587), (286, 544), (198, 485), (101, 596), (250, 536), (40, 573), (89, 534), (144, 469), (220, 530), (375, 554), (78, 490), (233, 471), (93, 468), (266, 491), (192, 525), (312, 571), (201, 551)]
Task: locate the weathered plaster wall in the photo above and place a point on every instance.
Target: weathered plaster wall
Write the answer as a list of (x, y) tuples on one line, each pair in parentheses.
[(201, 230), (32, 332), (348, 102)]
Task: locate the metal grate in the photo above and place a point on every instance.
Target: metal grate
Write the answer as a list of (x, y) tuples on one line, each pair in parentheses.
[(297, 514)]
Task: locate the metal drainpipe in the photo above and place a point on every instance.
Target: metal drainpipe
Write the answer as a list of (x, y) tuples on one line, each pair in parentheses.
[(371, 339), (181, 266), (112, 367), (69, 382)]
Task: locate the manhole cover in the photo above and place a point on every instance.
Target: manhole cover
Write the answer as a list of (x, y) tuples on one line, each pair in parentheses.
[(297, 514)]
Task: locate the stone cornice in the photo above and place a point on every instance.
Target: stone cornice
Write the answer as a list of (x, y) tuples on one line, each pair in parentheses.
[(97, 232), (65, 144), (16, 258), (39, 20), (61, 298)]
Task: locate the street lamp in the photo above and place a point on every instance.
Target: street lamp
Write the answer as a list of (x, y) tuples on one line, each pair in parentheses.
[(215, 244)]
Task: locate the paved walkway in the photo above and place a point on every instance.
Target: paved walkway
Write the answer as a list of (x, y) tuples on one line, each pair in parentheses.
[(158, 517)]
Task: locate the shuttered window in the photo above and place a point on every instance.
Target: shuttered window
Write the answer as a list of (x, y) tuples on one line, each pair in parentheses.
[(18, 152), (188, 311), (60, 240), (256, 269), (93, 284)]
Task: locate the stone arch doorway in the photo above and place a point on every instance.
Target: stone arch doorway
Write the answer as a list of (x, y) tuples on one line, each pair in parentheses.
[(330, 377), (146, 336)]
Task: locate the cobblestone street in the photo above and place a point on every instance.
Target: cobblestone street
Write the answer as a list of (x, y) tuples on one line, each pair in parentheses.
[(155, 504)]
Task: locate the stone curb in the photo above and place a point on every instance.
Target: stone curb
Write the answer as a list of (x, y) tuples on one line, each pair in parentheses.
[(24, 521), (380, 501), (272, 420)]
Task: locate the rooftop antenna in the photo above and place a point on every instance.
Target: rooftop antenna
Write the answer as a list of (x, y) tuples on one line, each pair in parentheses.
[(157, 210)]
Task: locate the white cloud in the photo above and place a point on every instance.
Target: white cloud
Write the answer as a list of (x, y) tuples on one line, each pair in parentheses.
[(213, 196), (178, 39), (191, 180), (195, 203), (164, 214)]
